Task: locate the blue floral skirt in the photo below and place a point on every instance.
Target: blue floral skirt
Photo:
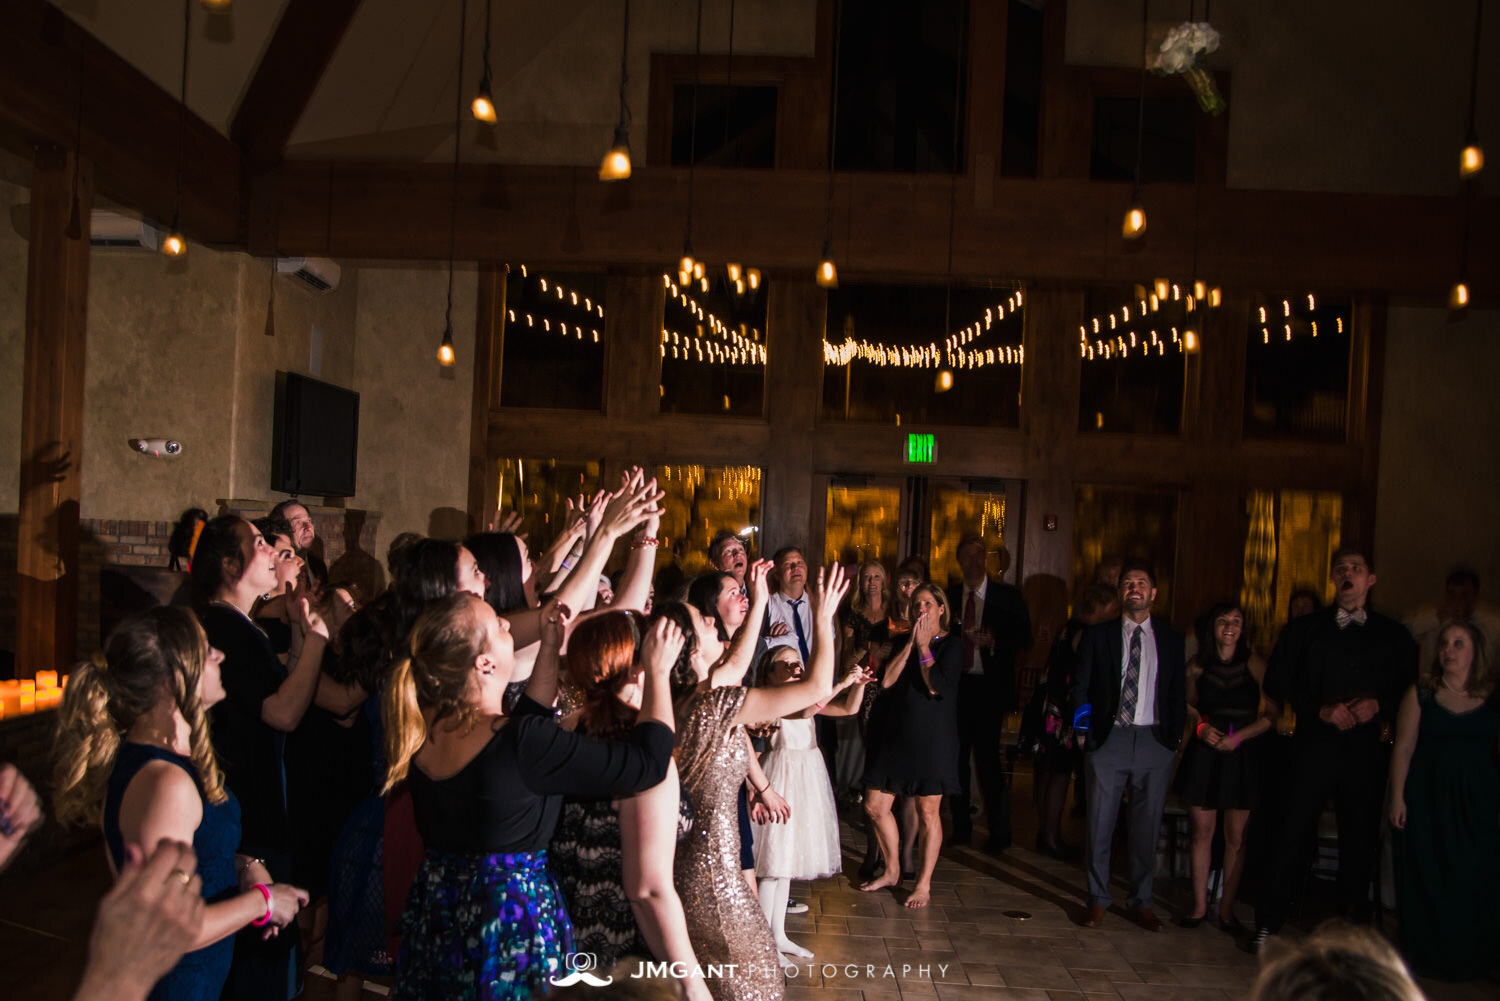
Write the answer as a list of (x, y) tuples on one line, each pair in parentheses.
[(482, 928)]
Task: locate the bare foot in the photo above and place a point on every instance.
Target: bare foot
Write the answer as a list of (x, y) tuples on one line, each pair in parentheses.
[(921, 896), (885, 879)]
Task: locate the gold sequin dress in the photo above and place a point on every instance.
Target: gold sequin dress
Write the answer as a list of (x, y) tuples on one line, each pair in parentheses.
[(724, 921)]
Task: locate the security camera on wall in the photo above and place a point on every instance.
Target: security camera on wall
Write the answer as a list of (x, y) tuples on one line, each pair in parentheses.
[(159, 447)]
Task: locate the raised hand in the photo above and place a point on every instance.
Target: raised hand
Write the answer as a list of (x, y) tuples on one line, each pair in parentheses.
[(303, 612), (555, 617), (662, 646), (634, 503), (925, 629), (832, 585), (505, 521), (757, 577)]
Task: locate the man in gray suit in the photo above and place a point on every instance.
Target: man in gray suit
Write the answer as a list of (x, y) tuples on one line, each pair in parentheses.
[(1132, 682)]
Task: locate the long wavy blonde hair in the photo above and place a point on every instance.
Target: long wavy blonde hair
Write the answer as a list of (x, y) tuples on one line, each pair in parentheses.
[(160, 652)]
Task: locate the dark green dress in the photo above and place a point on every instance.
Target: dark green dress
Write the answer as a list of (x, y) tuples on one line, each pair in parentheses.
[(1448, 858)]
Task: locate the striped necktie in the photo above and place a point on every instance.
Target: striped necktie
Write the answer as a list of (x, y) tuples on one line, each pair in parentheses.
[(1130, 694)]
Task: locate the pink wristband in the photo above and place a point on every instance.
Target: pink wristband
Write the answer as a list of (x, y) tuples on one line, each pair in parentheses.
[(821, 705), (264, 919)]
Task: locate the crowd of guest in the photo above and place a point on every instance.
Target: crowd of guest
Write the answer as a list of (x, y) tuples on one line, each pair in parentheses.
[(506, 758)]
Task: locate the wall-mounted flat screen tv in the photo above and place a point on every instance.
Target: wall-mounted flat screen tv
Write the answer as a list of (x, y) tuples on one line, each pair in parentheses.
[(315, 439)]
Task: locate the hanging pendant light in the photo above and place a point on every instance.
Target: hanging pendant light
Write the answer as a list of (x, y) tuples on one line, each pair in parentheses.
[(175, 245), (1458, 296), (483, 105), (1133, 227), (445, 353), (944, 380), (1471, 157), (616, 163), (689, 267), (827, 274)]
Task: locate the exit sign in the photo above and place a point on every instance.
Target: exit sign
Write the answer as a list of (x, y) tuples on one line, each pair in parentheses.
[(921, 448)]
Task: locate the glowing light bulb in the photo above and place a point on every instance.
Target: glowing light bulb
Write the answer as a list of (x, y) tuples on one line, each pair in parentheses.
[(174, 245), (944, 380), (616, 163), (828, 275), (1200, 290), (445, 354), (1190, 341), (1134, 225), (734, 271), (1470, 160), (1215, 297), (483, 106), (752, 275), (686, 265), (1458, 296), (697, 269)]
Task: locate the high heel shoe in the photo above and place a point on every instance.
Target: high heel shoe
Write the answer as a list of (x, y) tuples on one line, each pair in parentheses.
[(1187, 922)]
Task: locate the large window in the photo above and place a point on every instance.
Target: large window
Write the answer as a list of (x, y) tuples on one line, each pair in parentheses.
[(1290, 537), (702, 500), (552, 354), (713, 354), (901, 85), (1297, 369), (1133, 345), (1121, 523), (735, 126), (539, 490), (957, 512), (863, 522), (888, 357)]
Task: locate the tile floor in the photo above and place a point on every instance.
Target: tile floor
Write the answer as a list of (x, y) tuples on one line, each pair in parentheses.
[(998, 928)]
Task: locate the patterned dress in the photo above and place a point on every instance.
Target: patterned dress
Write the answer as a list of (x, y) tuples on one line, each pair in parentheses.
[(587, 861), (724, 921)]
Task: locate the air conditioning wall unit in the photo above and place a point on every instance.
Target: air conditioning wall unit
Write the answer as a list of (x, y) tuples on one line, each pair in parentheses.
[(111, 229), (317, 273)]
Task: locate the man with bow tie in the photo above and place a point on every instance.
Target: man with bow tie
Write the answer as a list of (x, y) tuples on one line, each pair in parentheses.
[(1342, 670)]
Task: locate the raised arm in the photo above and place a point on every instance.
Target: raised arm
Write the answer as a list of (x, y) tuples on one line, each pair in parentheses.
[(849, 693), (763, 704), (635, 584), (542, 686), (284, 708), (731, 670)]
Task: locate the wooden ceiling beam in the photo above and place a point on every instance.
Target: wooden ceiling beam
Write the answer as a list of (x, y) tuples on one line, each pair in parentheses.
[(129, 126), (885, 225), (299, 52)]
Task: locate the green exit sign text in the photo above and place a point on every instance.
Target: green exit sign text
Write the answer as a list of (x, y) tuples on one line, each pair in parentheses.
[(921, 448)]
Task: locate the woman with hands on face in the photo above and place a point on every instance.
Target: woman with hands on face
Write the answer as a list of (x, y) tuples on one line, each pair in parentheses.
[(134, 753), (914, 750), (724, 921)]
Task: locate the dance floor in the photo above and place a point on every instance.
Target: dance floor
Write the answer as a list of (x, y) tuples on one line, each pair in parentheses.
[(998, 928)]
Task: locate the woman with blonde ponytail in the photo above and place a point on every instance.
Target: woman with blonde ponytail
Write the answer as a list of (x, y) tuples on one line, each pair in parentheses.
[(484, 919), (133, 752)]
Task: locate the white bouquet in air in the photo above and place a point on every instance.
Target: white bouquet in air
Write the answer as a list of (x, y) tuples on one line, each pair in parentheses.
[(1185, 51)]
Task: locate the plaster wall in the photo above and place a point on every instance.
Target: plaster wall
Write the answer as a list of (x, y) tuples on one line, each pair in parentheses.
[(414, 415), (1438, 483)]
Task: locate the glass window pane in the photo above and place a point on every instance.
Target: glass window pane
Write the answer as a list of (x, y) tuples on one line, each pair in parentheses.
[(553, 348), (700, 501), (885, 350), (1297, 372), (713, 355), (1117, 522), (1289, 543), (736, 126), (902, 86), (863, 523), (958, 512), (1020, 145), (1133, 345), (539, 490)]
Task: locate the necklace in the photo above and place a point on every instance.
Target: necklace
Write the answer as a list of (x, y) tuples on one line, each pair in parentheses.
[(1456, 691)]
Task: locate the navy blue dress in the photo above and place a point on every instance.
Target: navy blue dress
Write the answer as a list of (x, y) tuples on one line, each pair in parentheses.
[(199, 974)]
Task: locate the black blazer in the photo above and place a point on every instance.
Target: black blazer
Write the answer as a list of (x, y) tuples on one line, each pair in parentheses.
[(1008, 619), (1101, 671)]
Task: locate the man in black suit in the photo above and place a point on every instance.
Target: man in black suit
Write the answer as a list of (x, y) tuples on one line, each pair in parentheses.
[(1343, 670), (1131, 680), (995, 626)]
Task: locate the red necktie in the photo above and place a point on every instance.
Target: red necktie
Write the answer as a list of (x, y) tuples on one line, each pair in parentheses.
[(969, 628)]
